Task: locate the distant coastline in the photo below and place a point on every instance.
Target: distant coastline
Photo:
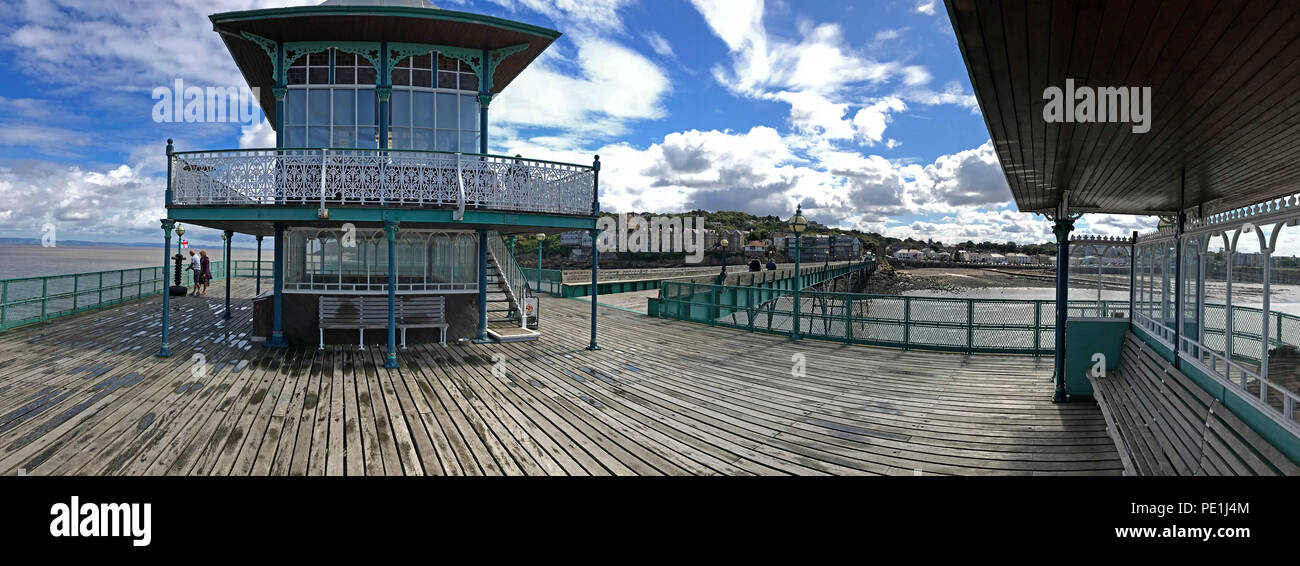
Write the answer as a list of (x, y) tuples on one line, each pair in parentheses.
[(28, 260)]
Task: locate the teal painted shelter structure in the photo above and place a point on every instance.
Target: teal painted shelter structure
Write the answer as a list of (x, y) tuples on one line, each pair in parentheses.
[(1181, 110), (381, 184)]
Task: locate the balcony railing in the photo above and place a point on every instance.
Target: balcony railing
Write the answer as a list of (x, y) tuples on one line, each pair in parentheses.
[(374, 177)]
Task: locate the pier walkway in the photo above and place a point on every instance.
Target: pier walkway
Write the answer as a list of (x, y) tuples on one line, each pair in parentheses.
[(86, 395)]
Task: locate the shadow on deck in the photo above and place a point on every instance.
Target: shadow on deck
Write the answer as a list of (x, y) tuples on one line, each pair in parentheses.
[(85, 395)]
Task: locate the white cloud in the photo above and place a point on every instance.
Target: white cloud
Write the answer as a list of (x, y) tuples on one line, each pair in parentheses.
[(257, 137), (613, 86), (105, 204), (926, 7), (659, 45)]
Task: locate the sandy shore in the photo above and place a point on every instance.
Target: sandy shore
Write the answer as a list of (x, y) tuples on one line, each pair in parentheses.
[(953, 279)]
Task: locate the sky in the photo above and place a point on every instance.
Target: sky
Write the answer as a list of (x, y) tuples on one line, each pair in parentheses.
[(860, 111)]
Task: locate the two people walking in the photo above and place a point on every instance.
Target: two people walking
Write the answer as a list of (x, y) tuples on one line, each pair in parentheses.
[(202, 269)]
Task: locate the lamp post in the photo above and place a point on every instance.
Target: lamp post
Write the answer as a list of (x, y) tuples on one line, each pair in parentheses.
[(176, 288), (541, 238), (722, 247), (797, 225)]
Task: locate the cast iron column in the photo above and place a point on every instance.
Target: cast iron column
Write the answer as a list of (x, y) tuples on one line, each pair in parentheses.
[(277, 290), (482, 287), (167, 224), (1062, 230), (390, 228), (259, 267), (230, 235), (595, 254)]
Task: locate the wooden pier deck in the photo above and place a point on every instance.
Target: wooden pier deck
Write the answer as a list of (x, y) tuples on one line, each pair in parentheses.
[(85, 395)]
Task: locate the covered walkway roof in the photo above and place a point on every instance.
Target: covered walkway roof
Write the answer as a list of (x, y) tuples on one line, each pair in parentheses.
[(1225, 99)]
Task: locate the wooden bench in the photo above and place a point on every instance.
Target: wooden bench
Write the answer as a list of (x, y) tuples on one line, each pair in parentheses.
[(371, 311), (1163, 423), (422, 311)]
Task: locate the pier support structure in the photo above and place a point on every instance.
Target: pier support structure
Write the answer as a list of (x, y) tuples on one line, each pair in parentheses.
[(481, 337)]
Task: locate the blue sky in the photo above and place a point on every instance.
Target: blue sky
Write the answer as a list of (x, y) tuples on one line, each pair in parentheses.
[(861, 111)]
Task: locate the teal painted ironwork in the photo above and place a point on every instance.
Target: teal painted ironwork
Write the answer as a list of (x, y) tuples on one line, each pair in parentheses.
[(30, 300), (929, 323), (228, 237), (390, 229), (271, 47), (595, 252), (165, 350)]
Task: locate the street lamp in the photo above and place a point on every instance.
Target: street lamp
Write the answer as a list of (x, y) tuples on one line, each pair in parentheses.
[(540, 238), (722, 247), (177, 289), (797, 225)]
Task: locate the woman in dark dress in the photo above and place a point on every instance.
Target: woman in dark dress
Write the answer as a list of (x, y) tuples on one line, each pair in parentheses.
[(205, 273)]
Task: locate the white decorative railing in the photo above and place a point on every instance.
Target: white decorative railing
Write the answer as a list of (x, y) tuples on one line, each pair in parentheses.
[(374, 177), (512, 276)]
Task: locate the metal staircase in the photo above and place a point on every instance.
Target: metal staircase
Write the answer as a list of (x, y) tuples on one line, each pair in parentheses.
[(508, 294)]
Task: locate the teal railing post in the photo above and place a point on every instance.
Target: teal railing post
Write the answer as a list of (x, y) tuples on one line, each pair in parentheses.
[(258, 283), (970, 325), (848, 318), (101, 290), (76, 287), (907, 322), (45, 295), (4, 302), (165, 350), (1038, 317)]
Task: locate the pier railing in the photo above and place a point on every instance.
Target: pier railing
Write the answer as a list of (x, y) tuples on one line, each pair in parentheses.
[(373, 177), (28, 300), (1024, 326)]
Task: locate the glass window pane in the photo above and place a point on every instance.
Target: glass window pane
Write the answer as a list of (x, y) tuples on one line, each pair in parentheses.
[(401, 138), (400, 111), (295, 106), (468, 81), (318, 106), (422, 61), (366, 107), (345, 107), (342, 59), (366, 137), (318, 75), (446, 80), (297, 76), (468, 113), (321, 59), (345, 75), (423, 139), (422, 110), (448, 140), (469, 142), (447, 112), (296, 137), (299, 62), (447, 63), (366, 75), (402, 77), (344, 137), (318, 137), (422, 78)]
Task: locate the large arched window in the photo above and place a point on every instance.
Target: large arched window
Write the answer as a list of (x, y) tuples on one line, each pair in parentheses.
[(434, 104), (331, 101)]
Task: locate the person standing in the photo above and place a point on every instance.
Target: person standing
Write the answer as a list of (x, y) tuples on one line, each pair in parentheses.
[(771, 264), (197, 267), (205, 270)]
